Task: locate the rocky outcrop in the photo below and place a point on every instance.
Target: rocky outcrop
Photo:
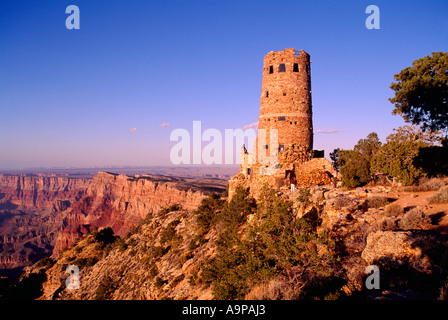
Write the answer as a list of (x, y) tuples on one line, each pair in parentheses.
[(397, 248), (120, 202)]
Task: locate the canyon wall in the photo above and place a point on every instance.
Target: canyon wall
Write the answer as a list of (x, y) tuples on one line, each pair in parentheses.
[(37, 192), (120, 201), (40, 216)]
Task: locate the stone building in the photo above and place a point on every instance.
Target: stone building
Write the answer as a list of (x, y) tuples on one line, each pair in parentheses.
[(283, 154)]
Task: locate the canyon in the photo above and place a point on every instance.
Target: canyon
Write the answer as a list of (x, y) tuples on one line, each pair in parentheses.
[(42, 215)]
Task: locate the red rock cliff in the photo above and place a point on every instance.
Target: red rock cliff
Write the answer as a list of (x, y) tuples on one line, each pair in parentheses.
[(17, 192), (120, 201)]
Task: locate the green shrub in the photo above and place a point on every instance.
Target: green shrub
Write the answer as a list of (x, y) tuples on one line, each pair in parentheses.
[(396, 159), (174, 207), (207, 212), (104, 236), (46, 263), (356, 169), (375, 202), (105, 289), (158, 251), (169, 232), (85, 262), (275, 241), (440, 196), (235, 211)]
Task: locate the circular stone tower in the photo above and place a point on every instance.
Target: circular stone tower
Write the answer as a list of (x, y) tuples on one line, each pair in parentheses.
[(286, 99)]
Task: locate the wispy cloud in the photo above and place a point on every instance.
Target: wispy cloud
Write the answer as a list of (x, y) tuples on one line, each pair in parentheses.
[(132, 129), (165, 124), (251, 125), (329, 131)]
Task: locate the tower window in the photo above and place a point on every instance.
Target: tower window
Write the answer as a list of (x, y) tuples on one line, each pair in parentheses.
[(306, 69), (266, 146), (281, 147), (295, 68), (284, 94), (271, 69), (267, 94), (281, 119), (281, 67)]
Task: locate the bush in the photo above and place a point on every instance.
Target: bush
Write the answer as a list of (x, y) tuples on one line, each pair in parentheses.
[(104, 236), (375, 202), (174, 207), (158, 251), (105, 289), (46, 263), (169, 232), (414, 219), (393, 210), (85, 262), (276, 241), (396, 159), (207, 212), (237, 209), (341, 202), (355, 170), (440, 196), (433, 184)]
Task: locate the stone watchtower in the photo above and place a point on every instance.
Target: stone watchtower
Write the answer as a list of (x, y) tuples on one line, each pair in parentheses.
[(286, 107), (286, 98)]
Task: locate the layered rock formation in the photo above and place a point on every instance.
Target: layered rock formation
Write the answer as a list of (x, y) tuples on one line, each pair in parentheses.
[(24, 192), (31, 213), (120, 201), (43, 215)]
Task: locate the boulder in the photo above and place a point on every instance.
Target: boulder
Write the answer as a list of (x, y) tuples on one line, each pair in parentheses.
[(396, 248)]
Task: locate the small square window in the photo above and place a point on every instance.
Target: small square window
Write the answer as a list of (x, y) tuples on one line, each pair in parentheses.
[(295, 68), (281, 118), (271, 69), (281, 147), (281, 67), (284, 94), (266, 146)]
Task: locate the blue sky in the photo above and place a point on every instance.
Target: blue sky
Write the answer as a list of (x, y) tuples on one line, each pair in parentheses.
[(72, 97)]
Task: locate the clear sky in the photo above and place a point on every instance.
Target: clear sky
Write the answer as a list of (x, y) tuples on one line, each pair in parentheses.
[(111, 92)]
